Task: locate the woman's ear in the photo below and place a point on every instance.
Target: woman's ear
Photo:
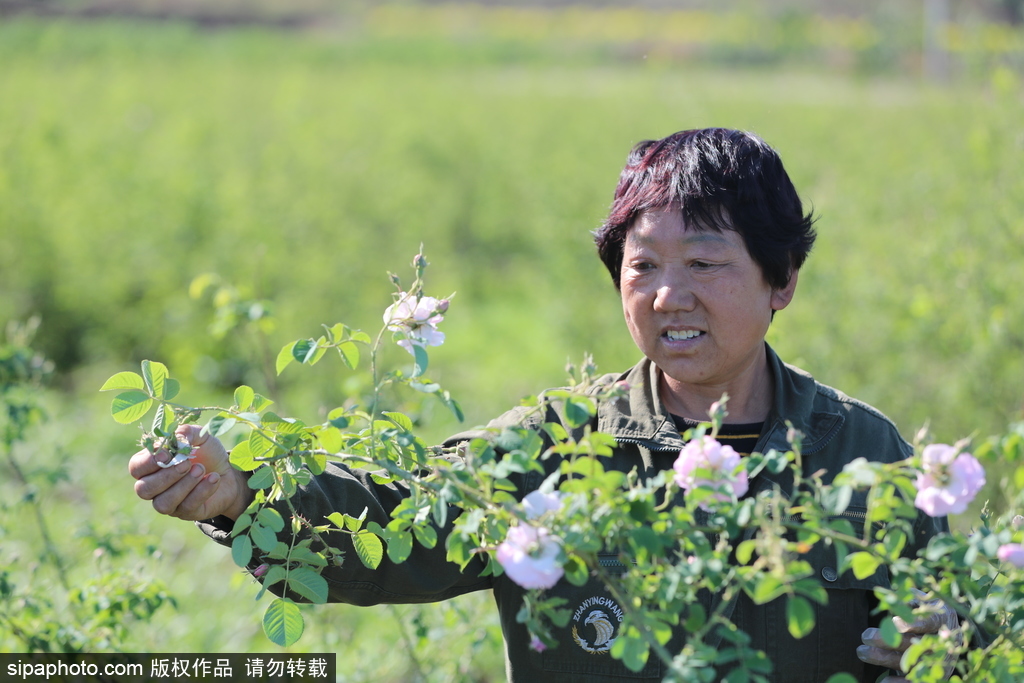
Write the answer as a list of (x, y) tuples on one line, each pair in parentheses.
[(782, 297)]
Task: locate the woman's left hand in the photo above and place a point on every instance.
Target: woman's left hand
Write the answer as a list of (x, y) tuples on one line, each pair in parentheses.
[(875, 651)]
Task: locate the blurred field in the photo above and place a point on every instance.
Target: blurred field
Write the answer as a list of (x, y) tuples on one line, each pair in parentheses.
[(302, 167)]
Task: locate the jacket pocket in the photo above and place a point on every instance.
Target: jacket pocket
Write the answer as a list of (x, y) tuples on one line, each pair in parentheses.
[(831, 647), (585, 642), (823, 559)]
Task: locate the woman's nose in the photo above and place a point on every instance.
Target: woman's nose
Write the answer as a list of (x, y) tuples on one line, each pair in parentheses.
[(674, 295)]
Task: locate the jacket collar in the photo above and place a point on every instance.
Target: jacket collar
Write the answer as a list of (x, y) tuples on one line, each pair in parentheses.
[(641, 417)]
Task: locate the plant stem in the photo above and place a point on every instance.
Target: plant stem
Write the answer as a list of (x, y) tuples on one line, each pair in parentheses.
[(50, 549)]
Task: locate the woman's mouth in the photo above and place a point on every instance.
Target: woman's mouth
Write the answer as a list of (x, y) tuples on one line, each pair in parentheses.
[(681, 335)]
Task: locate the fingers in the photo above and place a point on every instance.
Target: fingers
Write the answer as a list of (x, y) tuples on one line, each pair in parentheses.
[(180, 491), (875, 651), (193, 434), (927, 623), (873, 638), (144, 463), (183, 491)]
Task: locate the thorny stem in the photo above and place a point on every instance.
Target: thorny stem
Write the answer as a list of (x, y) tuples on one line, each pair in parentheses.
[(44, 530), (373, 373)]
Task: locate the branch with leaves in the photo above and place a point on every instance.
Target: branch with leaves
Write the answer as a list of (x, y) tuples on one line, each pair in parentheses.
[(680, 534)]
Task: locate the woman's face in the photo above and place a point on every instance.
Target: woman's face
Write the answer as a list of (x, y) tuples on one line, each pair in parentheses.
[(697, 304)]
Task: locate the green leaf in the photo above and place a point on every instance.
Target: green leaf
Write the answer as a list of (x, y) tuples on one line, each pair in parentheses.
[(243, 397), (631, 649), (336, 333), (426, 535), (241, 457), (349, 354), (275, 574), (662, 631), (400, 419), (864, 564), (304, 350), (812, 590), (271, 518), (241, 550), (696, 617), (354, 523), (124, 380), (241, 524), (280, 551), (452, 404), (576, 571), (282, 622), (154, 374), (745, 551), (307, 556), (220, 424), (337, 519), (260, 402), (171, 388), (316, 463), (420, 354), (264, 537), (841, 678), (262, 478), (289, 485), (399, 545), (330, 439), (284, 357), (890, 635), (799, 616), (587, 467), (130, 406), (308, 584), (259, 445), (369, 548), (556, 431), (767, 589), (576, 412), (163, 419)]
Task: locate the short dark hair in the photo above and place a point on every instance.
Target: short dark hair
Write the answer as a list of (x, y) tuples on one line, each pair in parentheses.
[(720, 179)]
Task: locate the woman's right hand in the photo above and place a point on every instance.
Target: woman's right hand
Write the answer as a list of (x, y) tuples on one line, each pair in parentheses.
[(199, 488)]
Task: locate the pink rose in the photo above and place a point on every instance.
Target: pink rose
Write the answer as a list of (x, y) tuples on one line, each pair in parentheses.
[(948, 481), (536, 503), (1012, 553), (529, 555), (705, 463), (417, 319)]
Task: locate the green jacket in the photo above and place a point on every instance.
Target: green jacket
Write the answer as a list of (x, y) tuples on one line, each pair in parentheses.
[(836, 430)]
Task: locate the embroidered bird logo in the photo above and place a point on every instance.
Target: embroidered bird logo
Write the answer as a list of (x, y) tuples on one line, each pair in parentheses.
[(602, 626), (604, 630)]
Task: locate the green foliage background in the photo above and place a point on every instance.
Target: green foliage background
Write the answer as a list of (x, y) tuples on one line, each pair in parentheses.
[(303, 166)]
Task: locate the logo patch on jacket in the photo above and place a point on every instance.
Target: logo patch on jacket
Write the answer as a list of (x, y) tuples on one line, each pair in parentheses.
[(595, 623)]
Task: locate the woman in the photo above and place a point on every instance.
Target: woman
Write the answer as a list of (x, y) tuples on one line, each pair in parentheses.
[(704, 240)]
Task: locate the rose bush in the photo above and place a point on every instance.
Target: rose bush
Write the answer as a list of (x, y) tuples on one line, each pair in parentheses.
[(718, 539)]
